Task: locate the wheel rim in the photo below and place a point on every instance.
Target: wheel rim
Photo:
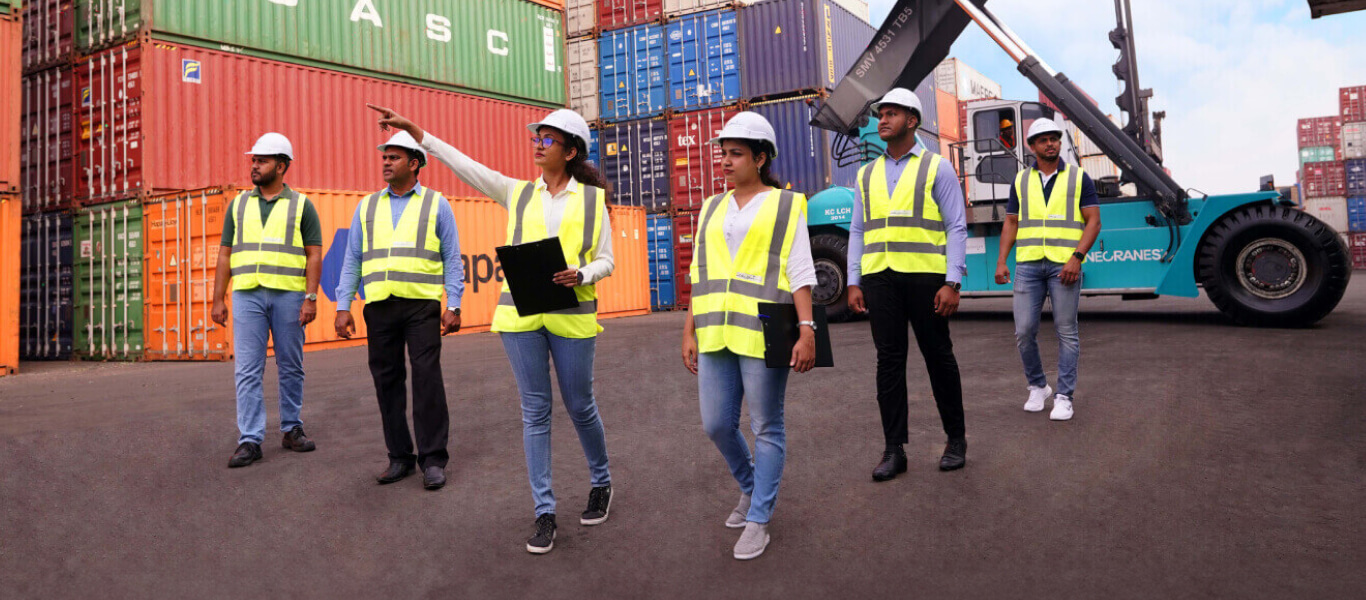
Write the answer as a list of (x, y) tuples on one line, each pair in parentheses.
[(829, 282), (1271, 268)]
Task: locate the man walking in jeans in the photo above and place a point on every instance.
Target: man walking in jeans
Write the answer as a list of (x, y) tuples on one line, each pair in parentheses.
[(1053, 218)]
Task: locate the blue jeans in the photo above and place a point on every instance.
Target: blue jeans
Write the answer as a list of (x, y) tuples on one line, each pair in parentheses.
[(530, 353), (258, 314), (723, 380), (1035, 280)]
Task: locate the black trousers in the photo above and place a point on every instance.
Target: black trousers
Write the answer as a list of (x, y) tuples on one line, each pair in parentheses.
[(893, 299), (392, 324)]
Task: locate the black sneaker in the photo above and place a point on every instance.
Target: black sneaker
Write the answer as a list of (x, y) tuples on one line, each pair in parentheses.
[(599, 503), (544, 539)]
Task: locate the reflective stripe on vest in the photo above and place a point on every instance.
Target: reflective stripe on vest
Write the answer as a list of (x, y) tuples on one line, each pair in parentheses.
[(1050, 227), (903, 229), (415, 271), (580, 230), (269, 255), (727, 290)]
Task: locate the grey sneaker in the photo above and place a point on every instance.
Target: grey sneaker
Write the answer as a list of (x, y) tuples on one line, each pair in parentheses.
[(738, 517), (752, 542)]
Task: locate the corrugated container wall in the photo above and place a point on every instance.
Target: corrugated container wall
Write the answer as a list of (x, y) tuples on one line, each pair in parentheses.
[(1355, 173), (11, 36), (660, 250), (627, 291), (1352, 103), (804, 161), (583, 78), (512, 49), (696, 164), (47, 144), (1357, 244), (581, 17), (10, 6), (1356, 214), (634, 67), (45, 287), (949, 125), (182, 234), (797, 46), (184, 136), (1099, 166), (1319, 131), (929, 101), (49, 38), (1353, 142), (1320, 153), (685, 229), (635, 159), (1325, 179), (964, 82), (1331, 210), (616, 14), (704, 60), (108, 280), (11, 217)]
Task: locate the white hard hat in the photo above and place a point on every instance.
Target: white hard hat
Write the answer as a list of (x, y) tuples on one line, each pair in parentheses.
[(1042, 126), (564, 120), (748, 126), (273, 144), (901, 97), (403, 139)]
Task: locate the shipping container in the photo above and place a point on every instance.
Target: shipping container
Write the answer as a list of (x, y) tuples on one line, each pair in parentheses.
[(675, 8), (633, 64), (583, 78), (147, 127), (48, 34), (660, 249), (581, 18), (805, 161), (1320, 153), (1353, 142), (1352, 104), (182, 234), (949, 121), (963, 82), (929, 101), (1099, 166), (1319, 131), (1331, 210), (8, 7), (1355, 173), (627, 291), (685, 229), (1324, 179), (48, 139), (593, 155), (508, 49), (1357, 245), (695, 171), (704, 60), (635, 159), (45, 287), (1356, 214), (11, 226), (796, 46), (11, 101), (108, 280), (616, 14)]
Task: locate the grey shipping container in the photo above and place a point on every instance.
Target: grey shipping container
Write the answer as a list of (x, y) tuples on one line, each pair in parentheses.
[(635, 159), (805, 160), (45, 287), (789, 46)]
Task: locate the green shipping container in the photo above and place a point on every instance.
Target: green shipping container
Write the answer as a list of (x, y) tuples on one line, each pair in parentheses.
[(1317, 154), (108, 282), (8, 7), (508, 49)]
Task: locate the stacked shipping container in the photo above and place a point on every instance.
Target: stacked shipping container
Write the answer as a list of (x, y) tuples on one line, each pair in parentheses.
[(11, 207), (1325, 178), (1352, 149)]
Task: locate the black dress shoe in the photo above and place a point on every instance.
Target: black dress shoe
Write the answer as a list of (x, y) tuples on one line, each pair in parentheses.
[(395, 472), (433, 477), (296, 440), (893, 463), (247, 453), (955, 455)]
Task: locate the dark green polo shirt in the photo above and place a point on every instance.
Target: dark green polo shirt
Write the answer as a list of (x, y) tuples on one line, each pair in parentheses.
[(310, 228)]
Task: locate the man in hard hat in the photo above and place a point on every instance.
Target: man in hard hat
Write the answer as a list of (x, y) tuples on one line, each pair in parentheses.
[(272, 252), (405, 250), (1007, 136), (1052, 219), (907, 247)]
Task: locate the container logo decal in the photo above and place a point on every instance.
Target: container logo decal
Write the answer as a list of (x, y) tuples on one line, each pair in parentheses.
[(190, 71), (85, 96), (495, 48), (829, 48), (610, 150)]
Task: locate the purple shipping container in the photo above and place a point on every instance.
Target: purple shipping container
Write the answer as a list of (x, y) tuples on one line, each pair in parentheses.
[(635, 160), (805, 154), (1356, 177), (791, 46)]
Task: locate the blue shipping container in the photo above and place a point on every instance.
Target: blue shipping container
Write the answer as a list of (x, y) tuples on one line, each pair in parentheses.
[(1356, 214), (45, 287), (593, 156), (805, 154), (635, 159), (1356, 176), (660, 248), (798, 45), (704, 60), (634, 72), (930, 102)]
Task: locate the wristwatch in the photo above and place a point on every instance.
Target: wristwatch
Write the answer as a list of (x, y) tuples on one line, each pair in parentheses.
[(1079, 256), (956, 285), (454, 309), (811, 324), (311, 297)]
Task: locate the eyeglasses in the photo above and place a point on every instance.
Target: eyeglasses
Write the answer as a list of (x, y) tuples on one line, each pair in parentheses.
[(544, 142)]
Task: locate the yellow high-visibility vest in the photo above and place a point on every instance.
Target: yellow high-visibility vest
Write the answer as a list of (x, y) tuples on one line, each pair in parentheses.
[(1050, 227), (903, 229), (403, 260), (269, 255)]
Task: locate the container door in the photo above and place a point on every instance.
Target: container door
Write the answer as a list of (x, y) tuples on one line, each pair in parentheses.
[(183, 233), (109, 282), (45, 288), (696, 165)]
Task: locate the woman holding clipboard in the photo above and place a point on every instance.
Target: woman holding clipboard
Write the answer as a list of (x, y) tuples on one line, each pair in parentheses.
[(568, 200), (751, 247)]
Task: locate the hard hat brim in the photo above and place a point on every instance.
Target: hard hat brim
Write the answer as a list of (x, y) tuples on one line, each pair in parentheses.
[(717, 141)]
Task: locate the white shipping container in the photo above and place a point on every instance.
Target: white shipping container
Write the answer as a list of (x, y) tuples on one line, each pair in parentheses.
[(1331, 210), (964, 82), (581, 17), (1099, 166), (583, 78), (1353, 140)]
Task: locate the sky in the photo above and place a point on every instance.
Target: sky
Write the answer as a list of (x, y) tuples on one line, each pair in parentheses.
[(1233, 75)]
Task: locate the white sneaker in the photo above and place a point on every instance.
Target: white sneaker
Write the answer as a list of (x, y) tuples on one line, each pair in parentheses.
[(1062, 408), (1037, 397)]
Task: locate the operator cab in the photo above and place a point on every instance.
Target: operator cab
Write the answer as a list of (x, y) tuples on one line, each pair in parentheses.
[(995, 151)]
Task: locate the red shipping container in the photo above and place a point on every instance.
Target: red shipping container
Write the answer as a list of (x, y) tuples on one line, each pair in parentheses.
[(48, 162), (696, 171), (616, 14), (1324, 179), (685, 227), (157, 117), (1357, 246), (48, 34), (1319, 131), (11, 40), (1352, 104)]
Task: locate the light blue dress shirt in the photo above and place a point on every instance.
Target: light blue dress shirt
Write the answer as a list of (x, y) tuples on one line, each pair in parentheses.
[(453, 270)]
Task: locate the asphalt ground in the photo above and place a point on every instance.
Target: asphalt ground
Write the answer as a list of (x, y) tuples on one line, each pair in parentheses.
[(1205, 460)]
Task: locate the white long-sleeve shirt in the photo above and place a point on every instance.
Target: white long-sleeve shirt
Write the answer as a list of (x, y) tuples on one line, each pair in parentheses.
[(500, 188), (801, 270)]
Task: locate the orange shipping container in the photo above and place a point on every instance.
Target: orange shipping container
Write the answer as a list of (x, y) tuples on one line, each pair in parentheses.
[(11, 213), (11, 36), (949, 124)]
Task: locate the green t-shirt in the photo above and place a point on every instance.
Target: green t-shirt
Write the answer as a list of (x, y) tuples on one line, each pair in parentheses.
[(310, 227)]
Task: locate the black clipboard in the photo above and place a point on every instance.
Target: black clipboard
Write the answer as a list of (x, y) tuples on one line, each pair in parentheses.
[(781, 333), (530, 271)]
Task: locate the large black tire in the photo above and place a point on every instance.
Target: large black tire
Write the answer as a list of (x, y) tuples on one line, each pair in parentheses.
[(829, 252), (1273, 266)]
